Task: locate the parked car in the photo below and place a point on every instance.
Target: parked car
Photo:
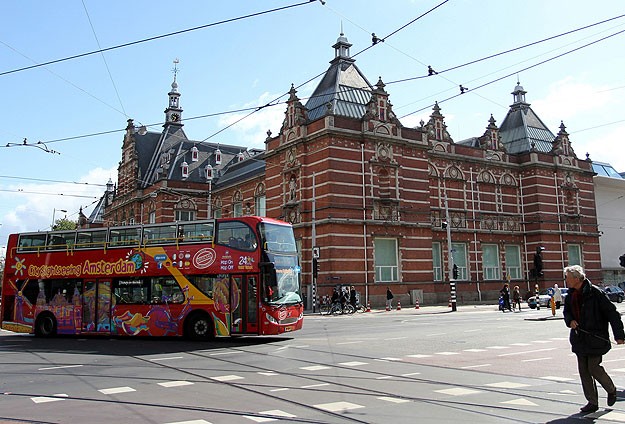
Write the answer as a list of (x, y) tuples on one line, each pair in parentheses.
[(545, 297), (614, 293)]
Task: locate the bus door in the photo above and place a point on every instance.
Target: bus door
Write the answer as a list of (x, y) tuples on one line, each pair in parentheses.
[(96, 306), (244, 301)]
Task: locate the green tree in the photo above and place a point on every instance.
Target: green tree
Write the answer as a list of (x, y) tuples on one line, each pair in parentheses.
[(64, 224)]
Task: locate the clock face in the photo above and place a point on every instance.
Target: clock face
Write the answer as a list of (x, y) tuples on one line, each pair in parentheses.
[(174, 117)]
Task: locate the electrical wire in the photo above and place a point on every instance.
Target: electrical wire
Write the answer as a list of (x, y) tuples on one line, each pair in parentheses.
[(95, 35), (158, 37), (50, 181), (47, 194), (518, 71)]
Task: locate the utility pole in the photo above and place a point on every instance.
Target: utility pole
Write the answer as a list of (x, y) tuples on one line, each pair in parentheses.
[(315, 249)]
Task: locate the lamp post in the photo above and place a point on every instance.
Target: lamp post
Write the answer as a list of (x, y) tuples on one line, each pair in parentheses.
[(53, 216), (209, 178)]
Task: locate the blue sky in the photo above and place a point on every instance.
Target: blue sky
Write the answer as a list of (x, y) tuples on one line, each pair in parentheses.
[(250, 62)]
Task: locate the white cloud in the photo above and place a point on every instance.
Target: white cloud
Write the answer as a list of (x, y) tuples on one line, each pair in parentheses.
[(31, 206), (570, 99)]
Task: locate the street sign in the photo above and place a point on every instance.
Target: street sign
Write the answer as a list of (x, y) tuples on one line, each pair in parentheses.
[(316, 252)]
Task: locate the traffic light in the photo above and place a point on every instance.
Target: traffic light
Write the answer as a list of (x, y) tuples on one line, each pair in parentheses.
[(443, 224), (315, 267), (455, 272), (622, 260), (538, 262)]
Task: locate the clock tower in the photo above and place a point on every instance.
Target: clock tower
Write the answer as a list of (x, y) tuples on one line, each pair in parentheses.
[(173, 113)]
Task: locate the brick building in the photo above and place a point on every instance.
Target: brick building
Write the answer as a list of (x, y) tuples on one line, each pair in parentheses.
[(374, 196)]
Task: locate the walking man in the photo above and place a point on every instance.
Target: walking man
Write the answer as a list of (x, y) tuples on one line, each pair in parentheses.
[(587, 311)]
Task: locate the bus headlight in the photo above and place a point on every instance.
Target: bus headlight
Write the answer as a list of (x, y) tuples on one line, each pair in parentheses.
[(271, 319)]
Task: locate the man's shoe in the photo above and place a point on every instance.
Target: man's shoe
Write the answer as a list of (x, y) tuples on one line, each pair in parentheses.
[(589, 407), (611, 398)]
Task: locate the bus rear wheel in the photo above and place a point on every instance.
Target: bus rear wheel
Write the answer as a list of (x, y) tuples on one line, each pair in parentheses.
[(199, 327), (45, 326)]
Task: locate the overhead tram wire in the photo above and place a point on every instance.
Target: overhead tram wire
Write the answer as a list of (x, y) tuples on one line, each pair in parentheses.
[(157, 37), (50, 181), (510, 50), (518, 71), (104, 58), (276, 100), (47, 194), (273, 102)]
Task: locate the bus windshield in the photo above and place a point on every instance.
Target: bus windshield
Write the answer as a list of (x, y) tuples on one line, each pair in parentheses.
[(281, 280)]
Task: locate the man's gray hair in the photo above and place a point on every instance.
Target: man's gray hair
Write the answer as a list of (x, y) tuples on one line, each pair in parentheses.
[(576, 271)]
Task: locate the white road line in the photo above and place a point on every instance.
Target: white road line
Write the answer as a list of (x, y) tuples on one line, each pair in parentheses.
[(384, 377), (338, 406), (230, 377), (520, 344), (389, 359), (556, 378), (191, 422), (281, 389), (44, 399), (474, 350), (410, 374), (536, 359), (498, 347), (59, 367), (435, 334), (175, 383), (233, 352), (458, 391), (446, 353), (268, 374), (395, 338), (393, 399), (166, 359), (310, 386), (475, 366), (418, 355), (353, 363), (115, 390), (527, 351), (354, 342), (315, 368)]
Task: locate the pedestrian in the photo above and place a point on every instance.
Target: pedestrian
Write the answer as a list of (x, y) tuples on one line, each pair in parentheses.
[(587, 311), (352, 296), (335, 296), (557, 296), (389, 299), (516, 298), (505, 295)]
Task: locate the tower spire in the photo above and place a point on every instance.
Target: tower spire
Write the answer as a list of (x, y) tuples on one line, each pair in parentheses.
[(173, 113)]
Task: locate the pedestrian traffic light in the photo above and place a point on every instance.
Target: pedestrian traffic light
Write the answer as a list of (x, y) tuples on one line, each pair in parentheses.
[(622, 260), (455, 272), (315, 267)]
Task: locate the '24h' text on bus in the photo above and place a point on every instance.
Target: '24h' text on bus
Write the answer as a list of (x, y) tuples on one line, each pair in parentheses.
[(200, 279)]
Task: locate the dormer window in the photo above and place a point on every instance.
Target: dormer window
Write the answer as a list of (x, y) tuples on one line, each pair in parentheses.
[(185, 169), (382, 110), (208, 172), (218, 156), (194, 154)]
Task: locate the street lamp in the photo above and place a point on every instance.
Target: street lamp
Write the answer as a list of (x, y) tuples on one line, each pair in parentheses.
[(53, 215), (209, 177)]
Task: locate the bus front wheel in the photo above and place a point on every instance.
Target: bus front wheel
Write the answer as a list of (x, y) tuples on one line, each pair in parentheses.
[(45, 326), (199, 327)]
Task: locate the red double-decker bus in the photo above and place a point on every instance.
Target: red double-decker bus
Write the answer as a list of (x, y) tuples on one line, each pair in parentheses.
[(200, 279)]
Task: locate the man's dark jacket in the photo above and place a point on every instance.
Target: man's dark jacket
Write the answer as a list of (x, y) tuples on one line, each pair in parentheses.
[(596, 312)]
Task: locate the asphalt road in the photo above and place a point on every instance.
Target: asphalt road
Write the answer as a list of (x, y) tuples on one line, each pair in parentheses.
[(476, 365)]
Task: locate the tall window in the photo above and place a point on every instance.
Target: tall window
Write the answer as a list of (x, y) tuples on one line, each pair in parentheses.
[(459, 254), (217, 208), (513, 261), (575, 254), (237, 205), (385, 252), (260, 207), (152, 217), (436, 262), (490, 261)]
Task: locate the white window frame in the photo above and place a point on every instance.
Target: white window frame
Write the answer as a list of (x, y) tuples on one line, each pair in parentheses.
[(459, 254), (437, 261), (491, 270), (386, 273), (513, 269), (574, 250)]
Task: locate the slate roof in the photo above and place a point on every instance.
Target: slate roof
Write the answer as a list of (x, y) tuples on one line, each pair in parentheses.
[(522, 127), (343, 86)]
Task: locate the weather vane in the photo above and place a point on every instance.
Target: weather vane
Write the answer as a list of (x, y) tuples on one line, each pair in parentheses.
[(175, 70)]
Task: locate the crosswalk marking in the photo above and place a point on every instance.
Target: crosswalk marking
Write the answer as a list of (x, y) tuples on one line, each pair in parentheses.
[(230, 377), (45, 399), (338, 406), (520, 402), (458, 391), (115, 390)]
